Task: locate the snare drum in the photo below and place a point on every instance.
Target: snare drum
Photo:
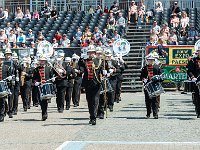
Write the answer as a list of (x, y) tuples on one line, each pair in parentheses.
[(47, 91), (4, 90), (189, 86), (154, 89)]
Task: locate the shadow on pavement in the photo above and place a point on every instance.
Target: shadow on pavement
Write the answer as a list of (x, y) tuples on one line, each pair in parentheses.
[(67, 124), (75, 118), (180, 118), (27, 120), (180, 115), (131, 117), (131, 110)]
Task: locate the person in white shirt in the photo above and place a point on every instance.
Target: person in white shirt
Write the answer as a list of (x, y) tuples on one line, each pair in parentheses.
[(116, 36), (121, 22), (12, 37), (6, 13), (27, 14), (19, 14), (7, 28), (3, 36), (55, 44), (159, 7), (65, 42)]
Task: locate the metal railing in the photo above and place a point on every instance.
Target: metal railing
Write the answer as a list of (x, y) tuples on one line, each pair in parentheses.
[(83, 5)]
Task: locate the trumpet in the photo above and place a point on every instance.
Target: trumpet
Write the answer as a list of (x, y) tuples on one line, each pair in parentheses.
[(58, 69)]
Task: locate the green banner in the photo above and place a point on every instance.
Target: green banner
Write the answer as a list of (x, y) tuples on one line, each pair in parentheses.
[(175, 73)]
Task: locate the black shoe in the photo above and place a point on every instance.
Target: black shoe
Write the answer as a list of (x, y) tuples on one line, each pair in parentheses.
[(44, 117), (155, 116), (10, 115), (14, 112), (36, 105), (148, 116), (90, 122), (1, 118), (29, 107), (111, 108), (67, 108), (117, 101), (75, 105), (101, 116), (60, 111), (25, 109), (93, 122), (198, 116)]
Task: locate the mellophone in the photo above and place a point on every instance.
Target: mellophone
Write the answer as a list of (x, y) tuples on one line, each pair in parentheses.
[(4, 89), (154, 87)]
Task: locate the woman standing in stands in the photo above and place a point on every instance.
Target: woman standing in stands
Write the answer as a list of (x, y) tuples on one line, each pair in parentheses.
[(19, 14), (184, 20), (175, 21)]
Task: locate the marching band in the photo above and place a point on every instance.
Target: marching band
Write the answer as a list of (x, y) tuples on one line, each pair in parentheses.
[(40, 79)]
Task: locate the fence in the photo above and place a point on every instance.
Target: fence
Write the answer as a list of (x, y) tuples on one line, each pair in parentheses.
[(83, 5)]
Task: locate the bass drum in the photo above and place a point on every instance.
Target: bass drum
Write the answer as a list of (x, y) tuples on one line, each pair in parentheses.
[(4, 90)]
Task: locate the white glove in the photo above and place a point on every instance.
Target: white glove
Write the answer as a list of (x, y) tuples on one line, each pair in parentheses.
[(111, 70), (24, 73), (145, 81), (17, 79), (104, 72), (53, 79), (9, 78), (121, 60), (76, 70), (37, 83), (108, 74), (194, 79)]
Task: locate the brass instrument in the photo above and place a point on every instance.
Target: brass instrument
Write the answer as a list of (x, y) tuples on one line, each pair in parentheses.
[(58, 69), (23, 77)]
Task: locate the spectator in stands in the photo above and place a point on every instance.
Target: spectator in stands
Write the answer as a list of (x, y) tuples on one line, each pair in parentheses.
[(132, 12), (54, 12), (6, 13), (166, 28), (100, 44), (19, 14), (21, 37), (153, 38), (193, 34), (97, 35), (40, 35), (17, 29), (40, 38), (30, 36), (106, 11), (121, 22), (36, 15), (110, 43), (6, 44), (91, 10), (183, 32), (184, 20), (65, 42), (12, 38), (15, 45), (176, 9), (55, 43), (87, 34), (58, 36), (174, 21), (141, 12), (46, 10), (164, 36), (159, 7), (99, 10), (115, 8), (78, 35), (2, 14), (111, 22), (31, 48), (105, 36), (23, 45), (84, 43), (7, 28), (27, 14), (173, 40), (155, 28), (3, 36), (115, 36)]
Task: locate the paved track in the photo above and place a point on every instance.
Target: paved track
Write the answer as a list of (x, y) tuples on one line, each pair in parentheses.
[(125, 128)]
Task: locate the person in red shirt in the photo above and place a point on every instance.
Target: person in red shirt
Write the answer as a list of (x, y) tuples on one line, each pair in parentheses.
[(58, 36)]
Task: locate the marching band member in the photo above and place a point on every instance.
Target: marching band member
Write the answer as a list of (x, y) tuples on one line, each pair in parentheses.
[(25, 83), (61, 80), (193, 73), (147, 72), (4, 73), (77, 80), (17, 70), (121, 67), (11, 83), (70, 79), (41, 74), (92, 82)]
